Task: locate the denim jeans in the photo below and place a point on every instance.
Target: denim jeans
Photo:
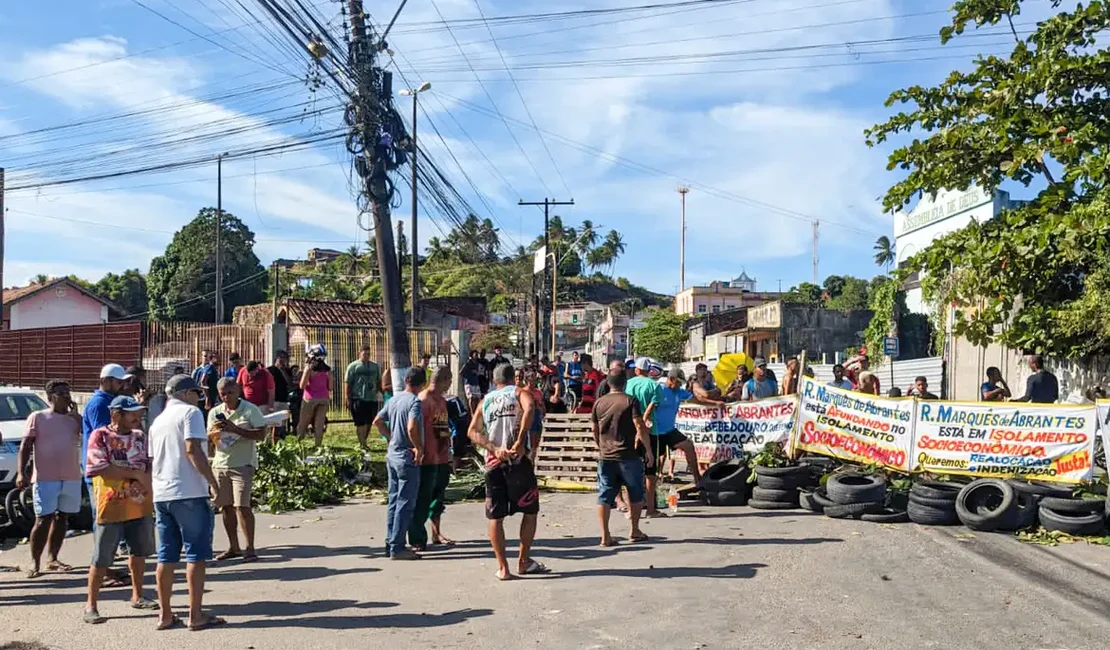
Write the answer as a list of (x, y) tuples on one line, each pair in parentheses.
[(404, 485)]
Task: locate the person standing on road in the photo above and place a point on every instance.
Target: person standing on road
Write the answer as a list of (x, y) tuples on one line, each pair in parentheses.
[(615, 364), (735, 389), (363, 379), (1041, 387), (664, 434), (485, 371), (54, 437), (760, 385), (921, 388), (621, 434), (502, 431), (402, 424), (96, 415), (234, 428), (316, 384), (470, 375), (591, 382), (995, 388), (207, 375), (283, 380), (435, 468), (235, 364), (256, 386), (498, 357), (574, 376), (702, 384), (118, 463), (183, 481)]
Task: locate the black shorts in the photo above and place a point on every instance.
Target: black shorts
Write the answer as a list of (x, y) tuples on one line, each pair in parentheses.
[(461, 446), (512, 488), (363, 412), (662, 442)]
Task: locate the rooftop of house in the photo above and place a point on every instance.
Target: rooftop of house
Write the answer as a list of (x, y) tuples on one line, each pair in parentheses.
[(15, 294)]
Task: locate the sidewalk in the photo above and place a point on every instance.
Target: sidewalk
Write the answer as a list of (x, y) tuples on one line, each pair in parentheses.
[(710, 578)]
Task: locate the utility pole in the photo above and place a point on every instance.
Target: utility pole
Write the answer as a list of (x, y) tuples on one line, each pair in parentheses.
[(400, 248), (547, 203), (815, 226), (1, 236), (371, 99), (219, 226), (415, 270), (683, 191), (277, 288)]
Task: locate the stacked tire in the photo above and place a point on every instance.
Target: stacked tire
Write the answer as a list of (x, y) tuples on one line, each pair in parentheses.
[(996, 505), (859, 496), (726, 483), (933, 503), (1074, 516), (776, 488)]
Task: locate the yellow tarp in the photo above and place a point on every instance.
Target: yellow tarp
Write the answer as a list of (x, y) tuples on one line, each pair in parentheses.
[(725, 371)]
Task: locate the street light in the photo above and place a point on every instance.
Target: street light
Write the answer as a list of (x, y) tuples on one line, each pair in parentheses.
[(414, 268)]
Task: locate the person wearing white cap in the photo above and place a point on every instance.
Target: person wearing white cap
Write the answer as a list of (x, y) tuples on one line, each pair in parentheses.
[(97, 415)]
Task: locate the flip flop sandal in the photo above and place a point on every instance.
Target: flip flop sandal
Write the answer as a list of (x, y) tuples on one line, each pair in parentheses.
[(112, 583), (638, 538), (93, 617), (535, 568), (33, 573), (227, 555), (60, 567), (610, 544), (144, 603), (250, 557), (173, 624), (208, 622)]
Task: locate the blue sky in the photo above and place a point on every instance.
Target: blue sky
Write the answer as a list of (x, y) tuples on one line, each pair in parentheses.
[(768, 130)]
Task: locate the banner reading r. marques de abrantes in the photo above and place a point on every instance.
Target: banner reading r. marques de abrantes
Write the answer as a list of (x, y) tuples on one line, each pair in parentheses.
[(1047, 442), (852, 426), (723, 433)]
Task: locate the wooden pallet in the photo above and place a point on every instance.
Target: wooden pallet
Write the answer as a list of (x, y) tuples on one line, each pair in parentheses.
[(567, 449)]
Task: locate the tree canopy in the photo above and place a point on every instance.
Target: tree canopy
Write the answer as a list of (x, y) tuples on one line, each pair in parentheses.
[(662, 337), (181, 284), (127, 290), (1034, 277)]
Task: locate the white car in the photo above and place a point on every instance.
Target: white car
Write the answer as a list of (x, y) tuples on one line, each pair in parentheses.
[(16, 404)]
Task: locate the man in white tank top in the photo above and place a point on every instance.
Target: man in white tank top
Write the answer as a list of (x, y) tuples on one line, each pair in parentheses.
[(511, 487)]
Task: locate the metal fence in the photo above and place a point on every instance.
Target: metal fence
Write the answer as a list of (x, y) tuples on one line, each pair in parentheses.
[(345, 344), (31, 357), (168, 346)]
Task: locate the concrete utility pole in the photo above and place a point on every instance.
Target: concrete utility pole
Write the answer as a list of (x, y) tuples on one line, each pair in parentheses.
[(546, 203), (219, 226), (815, 226), (415, 264), (1, 236), (370, 100), (683, 191)]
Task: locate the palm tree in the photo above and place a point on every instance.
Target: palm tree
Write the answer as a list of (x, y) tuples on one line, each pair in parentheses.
[(351, 261), (614, 244), (884, 251), (589, 235)]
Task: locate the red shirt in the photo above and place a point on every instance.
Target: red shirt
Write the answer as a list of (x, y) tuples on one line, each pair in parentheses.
[(257, 387), (590, 381)]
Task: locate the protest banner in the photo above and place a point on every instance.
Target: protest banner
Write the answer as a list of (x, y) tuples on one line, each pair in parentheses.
[(1044, 442), (1104, 429), (723, 433), (853, 426)]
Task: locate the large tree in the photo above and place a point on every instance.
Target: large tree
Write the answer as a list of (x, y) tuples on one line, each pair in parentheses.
[(662, 337), (1035, 276), (127, 290), (182, 281)]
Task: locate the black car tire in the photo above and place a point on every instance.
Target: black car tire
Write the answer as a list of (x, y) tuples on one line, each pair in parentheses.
[(726, 498), (853, 510), (771, 505), (793, 471), (936, 490), (1040, 488), (943, 504), (987, 504), (930, 516), (886, 516), (822, 498), (779, 482), (1076, 506), (1072, 523), (850, 487), (763, 494), (808, 501)]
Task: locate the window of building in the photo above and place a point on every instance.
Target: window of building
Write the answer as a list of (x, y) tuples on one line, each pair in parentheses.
[(624, 338), (701, 309), (716, 309)]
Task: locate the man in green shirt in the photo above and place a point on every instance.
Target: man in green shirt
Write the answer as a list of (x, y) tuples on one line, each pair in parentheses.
[(234, 428), (364, 398)]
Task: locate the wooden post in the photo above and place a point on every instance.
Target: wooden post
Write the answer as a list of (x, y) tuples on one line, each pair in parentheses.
[(790, 450)]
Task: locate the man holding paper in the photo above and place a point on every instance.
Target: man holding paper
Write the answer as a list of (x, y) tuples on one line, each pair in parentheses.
[(234, 428)]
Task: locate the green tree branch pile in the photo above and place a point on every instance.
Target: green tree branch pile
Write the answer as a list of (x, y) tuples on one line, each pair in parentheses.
[(1037, 276), (292, 475)]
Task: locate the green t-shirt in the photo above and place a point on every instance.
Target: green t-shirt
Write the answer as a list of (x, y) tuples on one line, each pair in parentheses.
[(363, 381), (232, 450), (645, 391)]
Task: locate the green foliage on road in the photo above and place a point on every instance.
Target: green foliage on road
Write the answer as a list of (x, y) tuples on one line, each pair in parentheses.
[(181, 284), (662, 337), (1035, 277), (292, 475)]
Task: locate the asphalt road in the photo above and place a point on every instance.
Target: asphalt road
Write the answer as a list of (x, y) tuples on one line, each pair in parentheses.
[(710, 578)]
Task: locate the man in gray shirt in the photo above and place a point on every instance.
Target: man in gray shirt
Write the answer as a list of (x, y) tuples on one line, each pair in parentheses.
[(401, 422), (760, 385)]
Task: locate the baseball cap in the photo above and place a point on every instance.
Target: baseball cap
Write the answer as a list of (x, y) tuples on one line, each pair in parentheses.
[(760, 361), (179, 383), (654, 368), (630, 363), (114, 371), (125, 403)]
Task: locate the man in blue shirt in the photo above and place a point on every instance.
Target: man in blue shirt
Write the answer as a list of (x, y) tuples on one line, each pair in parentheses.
[(665, 436), (401, 422), (574, 376), (236, 364)]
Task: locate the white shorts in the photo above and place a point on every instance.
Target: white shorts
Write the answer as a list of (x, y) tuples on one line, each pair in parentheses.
[(56, 496), (472, 390)]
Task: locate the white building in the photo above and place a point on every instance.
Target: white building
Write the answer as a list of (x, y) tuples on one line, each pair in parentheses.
[(933, 217)]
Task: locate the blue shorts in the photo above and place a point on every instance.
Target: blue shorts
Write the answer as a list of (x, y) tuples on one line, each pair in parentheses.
[(612, 474), (187, 523), (56, 496)]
